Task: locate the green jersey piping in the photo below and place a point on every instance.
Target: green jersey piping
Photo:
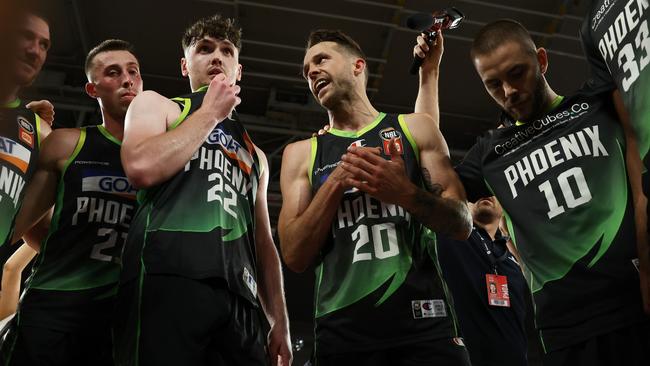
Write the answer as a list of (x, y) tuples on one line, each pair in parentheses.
[(353, 134), (38, 130), (108, 135), (59, 202), (187, 104), (14, 104), (314, 147), (409, 137), (556, 102)]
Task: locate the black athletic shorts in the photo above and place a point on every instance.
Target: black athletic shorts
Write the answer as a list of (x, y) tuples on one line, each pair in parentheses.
[(33, 346), (629, 346), (447, 352), (171, 320)]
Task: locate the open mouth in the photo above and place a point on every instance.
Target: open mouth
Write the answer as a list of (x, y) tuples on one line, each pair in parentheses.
[(319, 85), (214, 72)]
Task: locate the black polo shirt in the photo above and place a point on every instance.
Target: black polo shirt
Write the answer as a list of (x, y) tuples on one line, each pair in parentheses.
[(493, 335)]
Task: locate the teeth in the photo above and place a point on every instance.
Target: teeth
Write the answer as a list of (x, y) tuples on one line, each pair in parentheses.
[(320, 83)]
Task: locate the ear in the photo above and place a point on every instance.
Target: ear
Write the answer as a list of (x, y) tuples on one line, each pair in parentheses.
[(91, 90), (184, 70), (239, 68), (359, 66), (542, 59)]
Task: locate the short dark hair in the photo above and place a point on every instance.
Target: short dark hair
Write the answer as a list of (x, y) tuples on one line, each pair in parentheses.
[(341, 39), (495, 34), (35, 8), (214, 26), (106, 46)]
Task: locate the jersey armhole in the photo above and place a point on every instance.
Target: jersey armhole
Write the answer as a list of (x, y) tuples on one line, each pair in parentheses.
[(187, 104), (38, 130), (259, 158), (409, 137), (312, 159), (77, 149)]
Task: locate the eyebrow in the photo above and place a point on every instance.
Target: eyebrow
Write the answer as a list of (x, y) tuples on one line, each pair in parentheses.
[(306, 66)]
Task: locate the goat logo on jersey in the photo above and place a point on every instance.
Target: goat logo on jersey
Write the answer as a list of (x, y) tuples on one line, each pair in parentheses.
[(107, 182)]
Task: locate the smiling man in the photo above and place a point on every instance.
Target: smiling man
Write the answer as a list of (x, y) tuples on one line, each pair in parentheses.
[(21, 131), (200, 257), (363, 220)]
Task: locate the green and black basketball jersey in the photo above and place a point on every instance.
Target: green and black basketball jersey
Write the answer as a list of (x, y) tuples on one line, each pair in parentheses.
[(616, 37), (79, 260), (201, 222), (562, 182), (377, 282), (19, 146)]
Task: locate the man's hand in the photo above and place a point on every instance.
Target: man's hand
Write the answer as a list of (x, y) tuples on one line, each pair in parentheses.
[(430, 53), (280, 346), (44, 109), (221, 98), (383, 179)]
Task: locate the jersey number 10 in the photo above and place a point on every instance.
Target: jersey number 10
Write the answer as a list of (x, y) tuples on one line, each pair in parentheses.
[(571, 200)]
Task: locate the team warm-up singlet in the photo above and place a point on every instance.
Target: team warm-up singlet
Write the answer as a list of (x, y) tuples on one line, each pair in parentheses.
[(377, 285), (75, 277), (562, 182), (200, 223), (19, 145), (616, 36)]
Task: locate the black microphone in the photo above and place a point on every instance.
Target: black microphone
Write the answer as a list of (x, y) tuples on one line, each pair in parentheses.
[(430, 25), (420, 21)]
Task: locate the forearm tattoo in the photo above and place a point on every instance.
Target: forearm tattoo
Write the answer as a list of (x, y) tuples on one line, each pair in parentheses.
[(434, 188)]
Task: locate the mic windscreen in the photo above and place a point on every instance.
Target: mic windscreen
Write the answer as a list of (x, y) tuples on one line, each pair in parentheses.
[(420, 21)]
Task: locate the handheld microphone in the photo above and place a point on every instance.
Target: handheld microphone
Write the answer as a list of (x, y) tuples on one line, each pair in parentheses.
[(430, 25)]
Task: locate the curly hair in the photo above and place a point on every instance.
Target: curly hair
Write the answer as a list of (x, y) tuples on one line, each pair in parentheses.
[(214, 26)]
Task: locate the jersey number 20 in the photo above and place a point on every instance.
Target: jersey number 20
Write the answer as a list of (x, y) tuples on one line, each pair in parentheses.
[(379, 233)]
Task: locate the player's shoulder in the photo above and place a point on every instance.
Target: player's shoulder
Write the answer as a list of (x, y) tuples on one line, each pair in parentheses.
[(299, 148), (60, 144), (153, 100), (297, 153), (418, 118), (63, 136)]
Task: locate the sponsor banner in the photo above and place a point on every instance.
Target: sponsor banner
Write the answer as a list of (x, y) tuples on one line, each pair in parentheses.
[(107, 182), (15, 154)]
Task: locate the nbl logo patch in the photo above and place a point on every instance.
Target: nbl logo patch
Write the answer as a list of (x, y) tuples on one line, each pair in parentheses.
[(25, 131), (388, 134), (107, 182)]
